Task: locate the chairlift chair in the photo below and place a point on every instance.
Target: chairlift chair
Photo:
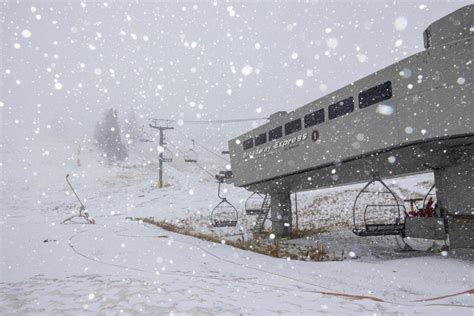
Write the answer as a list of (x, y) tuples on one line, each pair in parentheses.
[(254, 204), (224, 214), (414, 209), (428, 195), (191, 155), (366, 227), (427, 208), (167, 155), (145, 138), (428, 221)]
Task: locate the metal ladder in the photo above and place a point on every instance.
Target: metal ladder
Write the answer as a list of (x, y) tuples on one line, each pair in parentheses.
[(262, 217)]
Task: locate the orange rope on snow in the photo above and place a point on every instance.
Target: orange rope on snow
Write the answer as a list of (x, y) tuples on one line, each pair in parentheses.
[(377, 299), (338, 294), (471, 291), (359, 297)]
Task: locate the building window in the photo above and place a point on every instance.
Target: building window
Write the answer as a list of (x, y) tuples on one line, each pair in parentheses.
[(260, 139), (292, 126), (376, 94), (314, 118), (248, 144), (341, 108), (275, 133)]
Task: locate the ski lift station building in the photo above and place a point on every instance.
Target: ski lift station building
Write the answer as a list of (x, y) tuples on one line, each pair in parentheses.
[(413, 116)]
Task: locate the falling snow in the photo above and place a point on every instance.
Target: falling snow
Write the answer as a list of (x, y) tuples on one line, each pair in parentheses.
[(87, 87)]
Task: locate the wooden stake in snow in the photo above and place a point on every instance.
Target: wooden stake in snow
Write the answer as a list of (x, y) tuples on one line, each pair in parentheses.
[(82, 209)]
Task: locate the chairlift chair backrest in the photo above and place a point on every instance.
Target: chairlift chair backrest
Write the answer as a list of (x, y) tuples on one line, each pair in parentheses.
[(167, 155), (254, 204)]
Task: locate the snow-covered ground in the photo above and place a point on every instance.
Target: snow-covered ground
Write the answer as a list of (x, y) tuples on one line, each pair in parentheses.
[(120, 265)]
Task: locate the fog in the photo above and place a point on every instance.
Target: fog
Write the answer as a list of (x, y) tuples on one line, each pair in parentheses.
[(64, 64)]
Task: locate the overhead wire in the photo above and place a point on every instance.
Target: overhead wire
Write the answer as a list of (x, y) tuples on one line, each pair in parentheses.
[(209, 122), (215, 121), (198, 165), (203, 147), (205, 170)]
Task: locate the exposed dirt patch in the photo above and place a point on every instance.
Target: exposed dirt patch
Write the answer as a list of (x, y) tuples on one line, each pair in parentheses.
[(275, 247)]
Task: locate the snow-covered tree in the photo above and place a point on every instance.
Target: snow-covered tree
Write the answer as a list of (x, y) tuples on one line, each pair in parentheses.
[(108, 139), (132, 129)]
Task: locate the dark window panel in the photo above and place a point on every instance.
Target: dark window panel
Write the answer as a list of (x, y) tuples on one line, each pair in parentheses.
[(292, 126), (314, 118), (341, 108), (248, 144), (260, 139), (275, 133), (375, 95)]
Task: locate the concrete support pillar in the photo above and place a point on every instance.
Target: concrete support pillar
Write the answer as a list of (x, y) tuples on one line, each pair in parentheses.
[(455, 195), (281, 213), (455, 187)]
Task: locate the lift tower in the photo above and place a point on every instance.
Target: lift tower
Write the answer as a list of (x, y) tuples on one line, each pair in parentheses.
[(155, 123)]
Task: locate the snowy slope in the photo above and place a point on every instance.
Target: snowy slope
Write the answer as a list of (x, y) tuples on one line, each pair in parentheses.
[(121, 265)]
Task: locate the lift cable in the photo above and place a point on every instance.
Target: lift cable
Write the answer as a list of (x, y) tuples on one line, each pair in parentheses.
[(194, 163), (168, 121), (205, 170), (190, 139), (215, 121), (203, 147)]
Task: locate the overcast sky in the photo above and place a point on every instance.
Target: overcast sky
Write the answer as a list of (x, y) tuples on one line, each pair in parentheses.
[(64, 63)]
